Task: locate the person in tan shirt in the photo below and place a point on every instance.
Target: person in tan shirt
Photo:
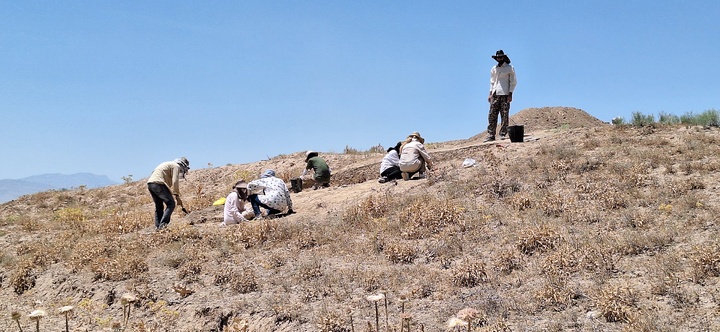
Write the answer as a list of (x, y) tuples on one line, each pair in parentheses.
[(164, 187), (413, 157)]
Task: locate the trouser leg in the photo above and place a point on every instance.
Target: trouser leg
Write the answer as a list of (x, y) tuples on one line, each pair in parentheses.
[(164, 204)]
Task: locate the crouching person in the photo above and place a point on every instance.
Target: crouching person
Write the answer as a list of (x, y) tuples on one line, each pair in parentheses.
[(321, 170), (270, 193), (235, 211), (413, 157)]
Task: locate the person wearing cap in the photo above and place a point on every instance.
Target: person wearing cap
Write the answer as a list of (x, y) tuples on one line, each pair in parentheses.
[(164, 187), (320, 169), (234, 211), (270, 193), (502, 85), (390, 165), (413, 157)]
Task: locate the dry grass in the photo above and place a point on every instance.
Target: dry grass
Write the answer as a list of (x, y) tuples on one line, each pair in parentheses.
[(614, 231)]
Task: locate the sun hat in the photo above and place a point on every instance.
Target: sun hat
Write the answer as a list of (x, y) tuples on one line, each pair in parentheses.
[(417, 135), (240, 184), (182, 161), (268, 173), (309, 154), (499, 54)]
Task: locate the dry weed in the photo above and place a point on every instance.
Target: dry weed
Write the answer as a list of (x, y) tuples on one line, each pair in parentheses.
[(616, 304), (705, 259), (556, 292), (469, 272), (23, 276), (540, 238), (401, 252), (427, 215)]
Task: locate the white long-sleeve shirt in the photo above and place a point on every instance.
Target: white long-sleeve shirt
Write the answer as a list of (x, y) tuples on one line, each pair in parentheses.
[(502, 80), (234, 207), (391, 159), (272, 192)]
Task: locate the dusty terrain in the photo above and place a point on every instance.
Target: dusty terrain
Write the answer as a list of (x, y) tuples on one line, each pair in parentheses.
[(571, 230)]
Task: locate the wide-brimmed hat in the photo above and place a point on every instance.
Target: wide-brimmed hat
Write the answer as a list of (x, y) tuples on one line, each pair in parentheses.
[(499, 54), (309, 154), (240, 185), (417, 135), (182, 161), (268, 173)]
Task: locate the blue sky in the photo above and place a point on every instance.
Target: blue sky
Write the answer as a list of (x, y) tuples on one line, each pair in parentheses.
[(117, 87)]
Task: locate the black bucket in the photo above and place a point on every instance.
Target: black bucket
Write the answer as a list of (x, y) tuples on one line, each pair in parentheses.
[(296, 185), (516, 133)]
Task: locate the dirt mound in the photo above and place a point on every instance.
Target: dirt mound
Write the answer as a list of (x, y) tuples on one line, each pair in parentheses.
[(545, 118)]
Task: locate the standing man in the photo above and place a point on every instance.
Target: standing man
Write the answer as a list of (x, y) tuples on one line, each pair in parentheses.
[(502, 85), (164, 184)]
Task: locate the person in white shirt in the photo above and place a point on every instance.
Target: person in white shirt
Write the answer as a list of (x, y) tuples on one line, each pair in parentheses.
[(502, 85), (270, 193), (390, 165), (234, 211)]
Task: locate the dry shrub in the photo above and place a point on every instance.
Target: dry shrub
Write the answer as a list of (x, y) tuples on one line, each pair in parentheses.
[(705, 261), (86, 250), (123, 266), (306, 240), (200, 198), (541, 238), (635, 242), (372, 207), (309, 270), (428, 215), (400, 252), (469, 272), (122, 222), (556, 292), (520, 202), (333, 321), (501, 186), (508, 260), (554, 204), (23, 277), (75, 219), (616, 304), (46, 251), (252, 234), (370, 281), (175, 232), (109, 258), (571, 258), (244, 282)]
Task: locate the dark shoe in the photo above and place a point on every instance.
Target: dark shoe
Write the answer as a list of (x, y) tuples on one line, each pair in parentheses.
[(382, 179), (326, 185), (489, 139)]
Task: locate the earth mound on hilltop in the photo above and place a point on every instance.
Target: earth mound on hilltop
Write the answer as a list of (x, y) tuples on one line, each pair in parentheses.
[(545, 118)]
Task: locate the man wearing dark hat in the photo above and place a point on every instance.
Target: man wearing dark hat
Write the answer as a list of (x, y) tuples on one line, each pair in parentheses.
[(502, 85), (164, 184)]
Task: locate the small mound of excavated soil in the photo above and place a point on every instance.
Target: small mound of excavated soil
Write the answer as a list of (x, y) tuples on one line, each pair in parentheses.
[(545, 118)]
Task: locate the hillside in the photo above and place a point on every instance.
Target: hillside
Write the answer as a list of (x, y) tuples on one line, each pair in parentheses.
[(583, 227)]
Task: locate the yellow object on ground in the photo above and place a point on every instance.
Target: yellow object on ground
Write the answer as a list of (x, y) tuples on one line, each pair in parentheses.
[(220, 201)]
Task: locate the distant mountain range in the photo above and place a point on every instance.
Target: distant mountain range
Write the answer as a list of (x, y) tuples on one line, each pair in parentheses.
[(11, 189)]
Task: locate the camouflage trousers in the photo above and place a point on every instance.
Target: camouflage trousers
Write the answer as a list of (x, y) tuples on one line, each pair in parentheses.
[(498, 106)]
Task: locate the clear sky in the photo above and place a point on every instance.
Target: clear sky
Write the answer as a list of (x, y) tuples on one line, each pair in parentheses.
[(116, 87)]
